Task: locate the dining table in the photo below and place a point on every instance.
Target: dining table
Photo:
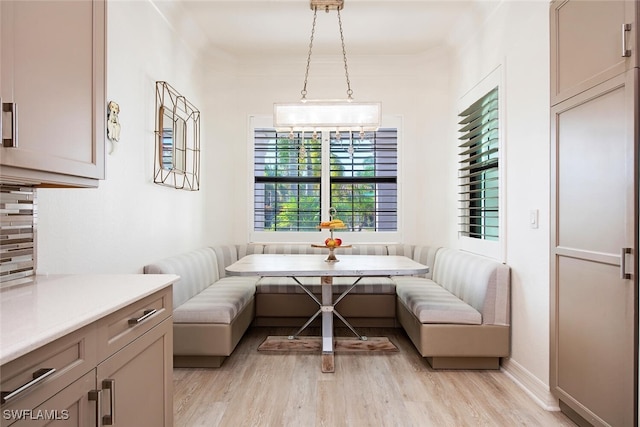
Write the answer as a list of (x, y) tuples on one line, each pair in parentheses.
[(296, 266)]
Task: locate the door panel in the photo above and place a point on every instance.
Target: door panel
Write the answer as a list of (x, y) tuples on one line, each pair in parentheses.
[(593, 342), (592, 177), (595, 338)]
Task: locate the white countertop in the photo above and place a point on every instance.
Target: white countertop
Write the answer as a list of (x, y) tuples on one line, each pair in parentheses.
[(38, 313), (315, 265)]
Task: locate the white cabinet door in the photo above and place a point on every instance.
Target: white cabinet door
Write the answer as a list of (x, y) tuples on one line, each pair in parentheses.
[(53, 91), (587, 43), (137, 381)]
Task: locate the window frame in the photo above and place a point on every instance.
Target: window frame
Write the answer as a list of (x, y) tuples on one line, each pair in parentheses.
[(491, 248), (257, 122)]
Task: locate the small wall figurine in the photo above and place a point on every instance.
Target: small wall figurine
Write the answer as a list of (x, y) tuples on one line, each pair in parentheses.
[(113, 124)]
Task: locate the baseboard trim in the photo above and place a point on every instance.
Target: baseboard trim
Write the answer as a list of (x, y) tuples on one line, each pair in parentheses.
[(532, 385)]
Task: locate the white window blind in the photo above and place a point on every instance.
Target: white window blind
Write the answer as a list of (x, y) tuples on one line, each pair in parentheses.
[(364, 174), (291, 192), (479, 168), (287, 174)]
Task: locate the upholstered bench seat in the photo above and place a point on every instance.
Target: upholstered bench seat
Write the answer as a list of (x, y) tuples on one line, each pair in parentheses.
[(465, 323), (431, 303), (457, 315), (286, 285), (219, 303), (211, 311)]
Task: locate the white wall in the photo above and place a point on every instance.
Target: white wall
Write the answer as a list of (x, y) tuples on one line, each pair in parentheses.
[(415, 88), (516, 36), (424, 90), (129, 221)]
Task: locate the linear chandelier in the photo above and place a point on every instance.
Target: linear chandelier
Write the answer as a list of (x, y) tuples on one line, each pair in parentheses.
[(337, 114)]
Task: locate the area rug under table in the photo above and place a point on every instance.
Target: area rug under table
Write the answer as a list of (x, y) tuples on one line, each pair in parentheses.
[(314, 344)]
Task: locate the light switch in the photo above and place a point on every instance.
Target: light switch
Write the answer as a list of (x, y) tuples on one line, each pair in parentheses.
[(533, 218)]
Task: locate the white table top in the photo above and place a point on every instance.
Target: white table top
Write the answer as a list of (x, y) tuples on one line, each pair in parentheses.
[(37, 313), (299, 265)]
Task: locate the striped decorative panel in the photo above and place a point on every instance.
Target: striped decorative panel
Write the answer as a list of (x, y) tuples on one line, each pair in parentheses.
[(18, 215)]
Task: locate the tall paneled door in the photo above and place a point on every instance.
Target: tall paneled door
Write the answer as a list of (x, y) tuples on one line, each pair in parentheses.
[(594, 210)]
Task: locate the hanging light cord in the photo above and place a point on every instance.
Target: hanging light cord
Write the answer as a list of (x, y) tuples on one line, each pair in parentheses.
[(344, 55), (306, 74), (303, 92)]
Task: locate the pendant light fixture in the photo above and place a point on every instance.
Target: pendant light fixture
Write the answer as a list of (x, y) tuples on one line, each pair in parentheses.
[(333, 114)]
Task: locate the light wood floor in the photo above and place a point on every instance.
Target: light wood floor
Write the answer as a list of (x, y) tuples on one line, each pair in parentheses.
[(393, 389)]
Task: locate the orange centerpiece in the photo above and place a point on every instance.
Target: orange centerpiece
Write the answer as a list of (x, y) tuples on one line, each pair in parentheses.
[(332, 242)]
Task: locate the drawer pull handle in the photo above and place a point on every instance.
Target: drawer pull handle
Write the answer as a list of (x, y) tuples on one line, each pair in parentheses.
[(109, 420), (96, 395), (145, 316), (626, 53), (11, 139), (623, 263), (38, 376)]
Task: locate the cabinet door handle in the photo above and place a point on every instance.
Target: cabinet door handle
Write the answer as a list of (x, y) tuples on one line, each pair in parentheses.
[(96, 395), (110, 385), (38, 376), (623, 263), (625, 29), (145, 316), (11, 141)]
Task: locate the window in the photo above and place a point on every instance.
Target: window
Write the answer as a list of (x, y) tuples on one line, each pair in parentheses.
[(295, 183), (287, 173), (479, 169), (364, 179)]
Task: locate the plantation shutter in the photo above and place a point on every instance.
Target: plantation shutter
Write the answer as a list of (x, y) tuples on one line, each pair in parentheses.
[(287, 173), (364, 175), (479, 168)]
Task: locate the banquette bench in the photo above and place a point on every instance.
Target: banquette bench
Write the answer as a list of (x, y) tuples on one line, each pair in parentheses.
[(457, 315)]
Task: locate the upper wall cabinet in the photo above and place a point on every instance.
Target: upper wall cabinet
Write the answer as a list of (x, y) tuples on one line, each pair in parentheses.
[(52, 85), (591, 41)]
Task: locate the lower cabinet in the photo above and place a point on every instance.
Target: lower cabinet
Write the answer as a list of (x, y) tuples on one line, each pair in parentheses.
[(117, 371), (69, 407), (136, 381)]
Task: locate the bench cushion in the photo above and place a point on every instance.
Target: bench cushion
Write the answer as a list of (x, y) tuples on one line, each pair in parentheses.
[(197, 269), (431, 303), (400, 249), (426, 255), (219, 303), (303, 248), (362, 249), (286, 285), (293, 248), (481, 282)]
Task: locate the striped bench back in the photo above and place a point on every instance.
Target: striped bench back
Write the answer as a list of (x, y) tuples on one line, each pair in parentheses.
[(480, 282), (197, 269)]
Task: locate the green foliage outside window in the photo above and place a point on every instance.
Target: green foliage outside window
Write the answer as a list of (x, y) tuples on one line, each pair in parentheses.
[(288, 181)]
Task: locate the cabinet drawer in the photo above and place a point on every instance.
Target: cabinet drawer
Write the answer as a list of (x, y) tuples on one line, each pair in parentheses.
[(70, 356), (125, 325), (70, 407)]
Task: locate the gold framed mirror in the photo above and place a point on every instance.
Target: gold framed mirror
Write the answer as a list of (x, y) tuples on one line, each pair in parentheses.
[(177, 152)]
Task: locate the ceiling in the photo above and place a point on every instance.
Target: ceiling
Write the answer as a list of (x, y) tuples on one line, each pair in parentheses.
[(380, 27)]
